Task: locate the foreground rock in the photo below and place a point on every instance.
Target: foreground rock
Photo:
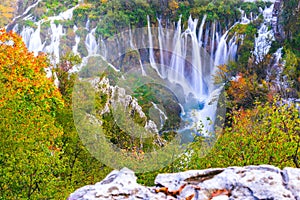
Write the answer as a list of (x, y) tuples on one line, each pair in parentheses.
[(247, 183)]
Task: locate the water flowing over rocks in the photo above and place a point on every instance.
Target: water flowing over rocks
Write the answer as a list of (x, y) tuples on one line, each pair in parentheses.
[(185, 54), (250, 182)]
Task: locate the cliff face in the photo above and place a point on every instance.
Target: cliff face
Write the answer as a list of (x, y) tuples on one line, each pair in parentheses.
[(250, 182)]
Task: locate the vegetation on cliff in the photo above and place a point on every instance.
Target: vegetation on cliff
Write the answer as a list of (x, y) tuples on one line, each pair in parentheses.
[(41, 154)]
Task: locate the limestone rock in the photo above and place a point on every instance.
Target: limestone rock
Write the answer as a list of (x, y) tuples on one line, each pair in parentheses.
[(235, 183), (117, 185), (117, 96)]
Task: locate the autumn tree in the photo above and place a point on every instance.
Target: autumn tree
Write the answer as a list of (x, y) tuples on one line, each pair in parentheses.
[(29, 144), (6, 11), (265, 134)]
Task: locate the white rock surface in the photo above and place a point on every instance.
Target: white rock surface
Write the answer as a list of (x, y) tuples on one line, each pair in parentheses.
[(236, 183)]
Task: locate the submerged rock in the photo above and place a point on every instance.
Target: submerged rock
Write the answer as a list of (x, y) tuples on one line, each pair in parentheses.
[(250, 182)]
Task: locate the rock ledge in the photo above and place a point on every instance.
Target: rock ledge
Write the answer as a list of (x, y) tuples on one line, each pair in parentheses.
[(247, 183)]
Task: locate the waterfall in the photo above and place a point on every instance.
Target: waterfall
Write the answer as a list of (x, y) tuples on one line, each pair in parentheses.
[(87, 25), (232, 49), (151, 51), (197, 78), (77, 40), (191, 70), (91, 43), (182, 61), (53, 48), (161, 47), (212, 43), (221, 52), (263, 42), (24, 13), (35, 43), (162, 116), (103, 49), (132, 46), (176, 70), (265, 36), (32, 37), (200, 33), (26, 35), (206, 35)]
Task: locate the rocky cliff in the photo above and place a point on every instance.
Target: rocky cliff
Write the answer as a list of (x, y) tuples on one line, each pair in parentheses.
[(250, 182)]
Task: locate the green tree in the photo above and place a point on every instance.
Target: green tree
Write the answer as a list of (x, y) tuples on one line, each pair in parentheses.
[(29, 144), (266, 134)]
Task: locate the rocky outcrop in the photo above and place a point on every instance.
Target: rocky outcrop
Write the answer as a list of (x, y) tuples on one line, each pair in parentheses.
[(250, 182), (117, 96)]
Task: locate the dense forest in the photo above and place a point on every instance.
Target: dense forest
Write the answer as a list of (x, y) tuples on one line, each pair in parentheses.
[(42, 156)]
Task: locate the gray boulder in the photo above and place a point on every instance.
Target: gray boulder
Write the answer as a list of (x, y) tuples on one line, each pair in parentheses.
[(244, 183)]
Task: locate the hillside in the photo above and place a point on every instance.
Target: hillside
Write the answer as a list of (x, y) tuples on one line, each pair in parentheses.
[(154, 86)]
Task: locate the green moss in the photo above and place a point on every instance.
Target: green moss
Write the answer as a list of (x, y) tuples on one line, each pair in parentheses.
[(82, 49), (81, 32), (29, 23)]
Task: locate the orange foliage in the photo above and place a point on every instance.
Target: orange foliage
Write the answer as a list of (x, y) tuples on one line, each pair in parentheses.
[(23, 74), (103, 1), (7, 9), (173, 5), (244, 90)]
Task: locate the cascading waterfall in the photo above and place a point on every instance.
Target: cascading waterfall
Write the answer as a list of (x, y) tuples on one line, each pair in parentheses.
[(200, 32), (232, 49), (53, 48), (151, 50), (103, 49), (197, 83), (212, 44), (77, 40), (35, 43), (177, 58), (133, 47), (33, 40), (25, 12), (191, 70), (162, 116), (265, 36), (91, 43), (161, 40), (176, 71), (206, 35), (221, 53), (26, 35)]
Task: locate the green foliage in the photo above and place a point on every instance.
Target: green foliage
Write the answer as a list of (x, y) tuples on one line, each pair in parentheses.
[(249, 7), (57, 6), (29, 24), (246, 45), (80, 14), (80, 167), (65, 78), (151, 93), (290, 18), (267, 134), (82, 48), (292, 68), (218, 10), (30, 140)]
